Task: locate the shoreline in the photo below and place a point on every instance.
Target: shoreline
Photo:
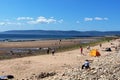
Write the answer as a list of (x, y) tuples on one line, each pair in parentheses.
[(44, 43), (9, 50), (44, 39)]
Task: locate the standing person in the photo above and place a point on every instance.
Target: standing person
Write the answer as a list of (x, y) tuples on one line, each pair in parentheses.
[(59, 41), (48, 50), (53, 51), (81, 49), (100, 45), (86, 65)]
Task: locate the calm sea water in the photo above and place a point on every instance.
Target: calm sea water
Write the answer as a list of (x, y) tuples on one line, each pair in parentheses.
[(31, 37)]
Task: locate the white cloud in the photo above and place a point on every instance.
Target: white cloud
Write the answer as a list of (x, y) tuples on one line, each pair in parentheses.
[(95, 19), (42, 19), (88, 19), (29, 20), (24, 18), (98, 18)]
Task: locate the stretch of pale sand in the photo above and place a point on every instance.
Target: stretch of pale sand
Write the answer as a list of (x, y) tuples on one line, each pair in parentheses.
[(25, 67), (43, 43)]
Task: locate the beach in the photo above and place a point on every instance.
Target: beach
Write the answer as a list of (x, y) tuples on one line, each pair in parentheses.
[(25, 67), (40, 45)]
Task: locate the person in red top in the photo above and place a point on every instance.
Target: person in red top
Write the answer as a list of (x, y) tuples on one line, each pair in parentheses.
[(81, 49)]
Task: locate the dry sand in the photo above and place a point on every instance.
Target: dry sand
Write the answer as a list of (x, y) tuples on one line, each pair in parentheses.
[(22, 68)]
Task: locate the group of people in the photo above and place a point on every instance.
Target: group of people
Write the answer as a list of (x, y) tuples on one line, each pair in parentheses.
[(81, 49), (52, 51), (88, 48)]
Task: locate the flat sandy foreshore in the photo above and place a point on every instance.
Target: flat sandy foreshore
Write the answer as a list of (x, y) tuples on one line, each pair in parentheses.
[(6, 47), (44, 43), (23, 68)]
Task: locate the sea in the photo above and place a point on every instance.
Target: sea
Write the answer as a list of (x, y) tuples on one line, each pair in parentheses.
[(33, 37), (18, 37)]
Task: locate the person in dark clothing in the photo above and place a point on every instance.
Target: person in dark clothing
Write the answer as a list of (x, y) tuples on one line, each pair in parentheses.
[(53, 51), (100, 45), (86, 65), (48, 50)]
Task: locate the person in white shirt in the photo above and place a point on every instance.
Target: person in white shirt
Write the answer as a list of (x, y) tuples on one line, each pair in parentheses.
[(86, 65)]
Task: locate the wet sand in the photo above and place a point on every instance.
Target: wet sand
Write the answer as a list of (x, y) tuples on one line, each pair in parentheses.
[(44, 43)]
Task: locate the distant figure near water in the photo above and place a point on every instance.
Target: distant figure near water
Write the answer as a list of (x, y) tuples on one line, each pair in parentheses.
[(53, 52), (48, 50), (11, 52)]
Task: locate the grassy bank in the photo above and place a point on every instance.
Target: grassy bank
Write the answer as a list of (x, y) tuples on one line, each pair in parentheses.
[(92, 43)]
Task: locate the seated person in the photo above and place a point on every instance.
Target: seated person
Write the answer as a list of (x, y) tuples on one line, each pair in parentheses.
[(86, 65)]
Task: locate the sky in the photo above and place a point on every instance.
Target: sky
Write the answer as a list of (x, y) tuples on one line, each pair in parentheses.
[(80, 15)]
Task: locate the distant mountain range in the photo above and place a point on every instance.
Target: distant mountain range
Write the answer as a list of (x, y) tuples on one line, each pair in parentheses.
[(67, 33)]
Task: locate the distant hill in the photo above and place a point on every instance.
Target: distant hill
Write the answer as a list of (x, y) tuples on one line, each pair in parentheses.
[(69, 33)]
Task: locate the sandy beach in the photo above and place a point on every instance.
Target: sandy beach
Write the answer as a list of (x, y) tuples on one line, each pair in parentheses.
[(23, 68)]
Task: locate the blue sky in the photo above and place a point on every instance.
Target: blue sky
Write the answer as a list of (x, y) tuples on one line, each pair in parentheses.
[(80, 15)]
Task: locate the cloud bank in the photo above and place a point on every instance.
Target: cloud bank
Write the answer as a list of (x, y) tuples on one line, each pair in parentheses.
[(88, 19), (95, 19), (42, 19), (24, 18), (30, 20)]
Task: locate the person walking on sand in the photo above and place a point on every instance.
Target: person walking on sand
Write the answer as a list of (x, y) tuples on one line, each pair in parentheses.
[(81, 49)]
